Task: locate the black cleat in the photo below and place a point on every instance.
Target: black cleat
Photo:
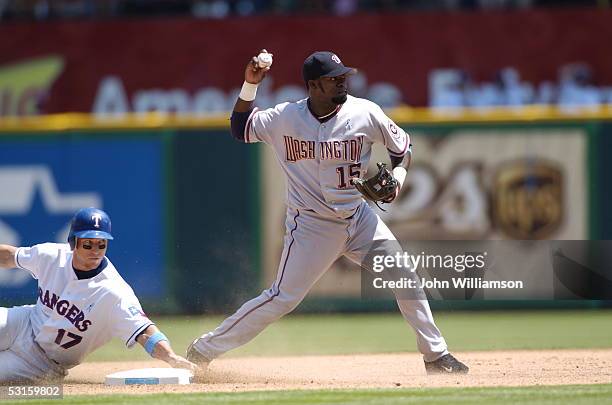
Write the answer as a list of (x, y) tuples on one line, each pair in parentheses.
[(194, 356), (446, 364)]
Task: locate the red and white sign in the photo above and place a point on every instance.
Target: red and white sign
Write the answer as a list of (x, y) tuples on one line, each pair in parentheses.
[(195, 65)]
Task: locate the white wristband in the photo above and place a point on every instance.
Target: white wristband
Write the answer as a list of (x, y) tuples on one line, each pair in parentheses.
[(400, 175), (248, 91)]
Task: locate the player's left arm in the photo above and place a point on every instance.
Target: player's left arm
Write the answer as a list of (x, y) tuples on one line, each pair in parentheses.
[(397, 142), (395, 139), (400, 165), (402, 161), (158, 346), (131, 324)]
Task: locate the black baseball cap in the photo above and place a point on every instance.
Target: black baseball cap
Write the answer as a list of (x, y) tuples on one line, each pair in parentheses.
[(324, 64)]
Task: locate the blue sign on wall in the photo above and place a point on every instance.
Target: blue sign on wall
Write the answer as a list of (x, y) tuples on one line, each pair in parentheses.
[(44, 181)]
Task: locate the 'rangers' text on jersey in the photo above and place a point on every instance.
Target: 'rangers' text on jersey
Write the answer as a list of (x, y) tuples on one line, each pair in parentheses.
[(73, 317)]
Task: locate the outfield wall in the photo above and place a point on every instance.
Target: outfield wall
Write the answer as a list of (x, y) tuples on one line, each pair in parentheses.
[(198, 217), (183, 204), (178, 65)]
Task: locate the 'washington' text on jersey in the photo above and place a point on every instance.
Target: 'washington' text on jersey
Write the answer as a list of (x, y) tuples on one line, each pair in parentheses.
[(347, 150)]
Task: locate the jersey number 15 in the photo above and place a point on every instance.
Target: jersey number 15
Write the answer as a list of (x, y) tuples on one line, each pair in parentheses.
[(353, 172)]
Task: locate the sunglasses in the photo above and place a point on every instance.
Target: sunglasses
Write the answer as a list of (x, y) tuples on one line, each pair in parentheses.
[(88, 246)]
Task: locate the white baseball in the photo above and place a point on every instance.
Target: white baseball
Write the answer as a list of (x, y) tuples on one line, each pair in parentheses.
[(264, 60)]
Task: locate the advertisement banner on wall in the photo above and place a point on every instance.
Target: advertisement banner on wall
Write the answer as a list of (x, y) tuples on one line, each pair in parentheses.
[(466, 184), (43, 182), (418, 59)]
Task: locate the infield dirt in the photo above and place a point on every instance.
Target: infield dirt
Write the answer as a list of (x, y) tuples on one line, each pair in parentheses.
[(491, 368)]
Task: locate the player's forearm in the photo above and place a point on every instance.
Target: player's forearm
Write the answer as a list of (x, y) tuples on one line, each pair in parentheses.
[(162, 350), (254, 73), (7, 256), (403, 161), (400, 166), (247, 95), (242, 105), (157, 351), (238, 123), (242, 111)]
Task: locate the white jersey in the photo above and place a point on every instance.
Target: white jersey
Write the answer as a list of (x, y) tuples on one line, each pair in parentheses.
[(74, 317), (321, 158)]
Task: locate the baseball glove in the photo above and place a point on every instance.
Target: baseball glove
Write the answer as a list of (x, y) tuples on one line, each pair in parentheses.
[(382, 187)]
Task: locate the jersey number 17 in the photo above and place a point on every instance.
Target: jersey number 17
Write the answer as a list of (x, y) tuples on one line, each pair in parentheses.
[(75, 339)]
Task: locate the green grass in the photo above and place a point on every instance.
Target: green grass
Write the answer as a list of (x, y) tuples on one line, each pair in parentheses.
[(573, 394), (383, 333)]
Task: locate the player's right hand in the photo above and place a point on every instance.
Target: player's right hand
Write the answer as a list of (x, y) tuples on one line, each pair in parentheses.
[(253, 73), (177, 361)]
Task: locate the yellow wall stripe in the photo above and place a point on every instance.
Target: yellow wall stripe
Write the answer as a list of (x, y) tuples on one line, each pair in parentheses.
[(402, 115)]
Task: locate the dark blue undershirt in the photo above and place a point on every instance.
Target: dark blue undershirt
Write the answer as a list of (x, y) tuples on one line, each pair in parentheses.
[(82, 275), (238, 122)]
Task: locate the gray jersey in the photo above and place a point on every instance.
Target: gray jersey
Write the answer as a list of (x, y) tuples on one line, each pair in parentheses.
[(320, 159), (326, 216)]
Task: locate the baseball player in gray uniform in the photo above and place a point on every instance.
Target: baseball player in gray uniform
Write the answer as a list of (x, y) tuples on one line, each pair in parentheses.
[(321, 143), (82, 303)]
